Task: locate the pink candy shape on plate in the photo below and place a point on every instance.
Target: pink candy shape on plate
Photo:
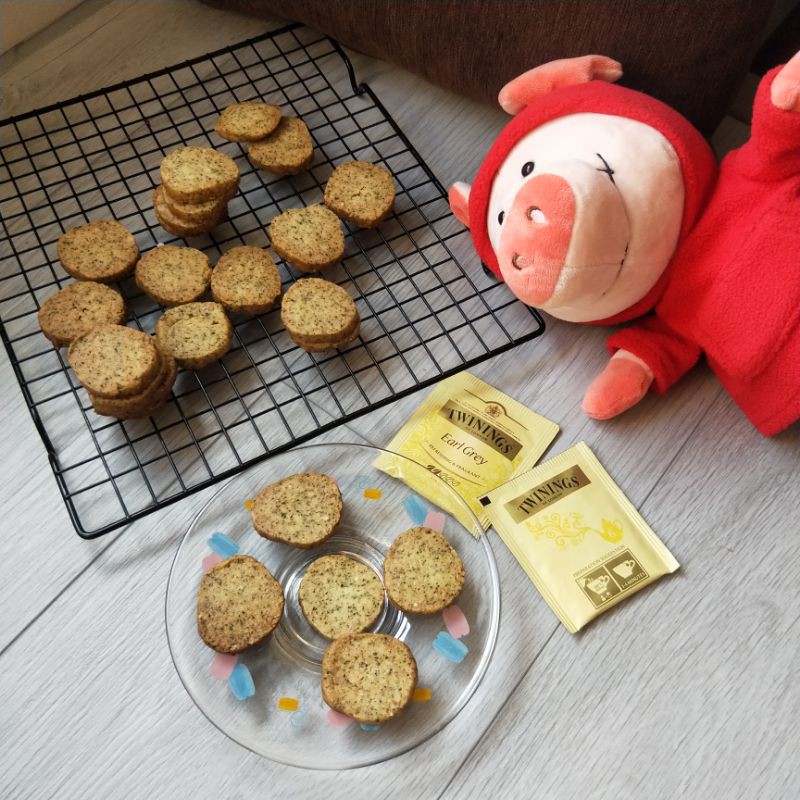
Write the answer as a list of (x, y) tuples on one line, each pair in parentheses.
[(338, 720), (434, 521), (211, 561), (455, 622), (222, 666)]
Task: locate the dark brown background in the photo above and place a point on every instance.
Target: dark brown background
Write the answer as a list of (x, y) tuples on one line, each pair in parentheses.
[(692, 55)]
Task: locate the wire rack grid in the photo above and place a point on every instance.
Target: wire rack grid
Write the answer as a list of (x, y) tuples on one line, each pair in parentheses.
[(424, 315)]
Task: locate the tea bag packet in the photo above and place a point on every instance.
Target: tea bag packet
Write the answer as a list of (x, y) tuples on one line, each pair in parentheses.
[(472, 436), (581, 541)]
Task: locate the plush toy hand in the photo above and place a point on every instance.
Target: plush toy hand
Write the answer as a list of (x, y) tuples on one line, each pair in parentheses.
[(785, 89), (622, 384)]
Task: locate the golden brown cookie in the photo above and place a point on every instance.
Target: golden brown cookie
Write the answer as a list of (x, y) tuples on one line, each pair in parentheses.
[(247, 122), (368, 676), (79, 307), (302, 510), (102, 250), (319, 315), (146, 402), (246, 281), (179, 227), (195, 334), (340, 595), (239, 604), (310, 238), (422, 573), (192, 214), (114, 360), (360, 192), (173, 275), (286, 151), (194, 174)]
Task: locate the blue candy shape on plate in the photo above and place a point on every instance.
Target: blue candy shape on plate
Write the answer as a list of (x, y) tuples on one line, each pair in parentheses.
[(452, 649), (241, 683), (223, 545), (416, 509)]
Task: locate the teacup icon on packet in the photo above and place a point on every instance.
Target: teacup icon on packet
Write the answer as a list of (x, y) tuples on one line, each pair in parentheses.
[(626, 568)]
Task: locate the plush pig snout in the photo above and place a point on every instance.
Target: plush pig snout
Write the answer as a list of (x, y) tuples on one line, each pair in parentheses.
[(564, 235), (535, 237)]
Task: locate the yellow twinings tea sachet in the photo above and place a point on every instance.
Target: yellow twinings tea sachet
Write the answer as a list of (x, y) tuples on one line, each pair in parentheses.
[(472, 436), (581, 541)]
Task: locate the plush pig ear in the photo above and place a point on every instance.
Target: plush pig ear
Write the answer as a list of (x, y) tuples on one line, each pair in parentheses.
[(539, 81), (459, 201)]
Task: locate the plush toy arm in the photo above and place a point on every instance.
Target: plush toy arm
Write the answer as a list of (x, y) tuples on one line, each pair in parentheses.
[(773, 152), (647, 353), (539, 81)]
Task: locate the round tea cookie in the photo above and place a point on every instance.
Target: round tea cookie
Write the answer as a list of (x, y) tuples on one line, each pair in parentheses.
[(191, 214), (423, 574), (194, 174), (102, 250), (246, 280), (340, 595), (247, 122), (79, 307), (286, 151), (114, 360), (368, 676), (310, 238), (302, 510), (173, 275), (146, 402), (360, 192), (319, 315), (173, 224), (239, 604), (195, 334)]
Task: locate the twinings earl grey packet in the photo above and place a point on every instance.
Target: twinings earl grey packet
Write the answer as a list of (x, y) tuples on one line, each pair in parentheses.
[(581, 541), (472, 436)]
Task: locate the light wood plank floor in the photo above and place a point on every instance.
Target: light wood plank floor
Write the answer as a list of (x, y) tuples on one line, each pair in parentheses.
[(690, 689)]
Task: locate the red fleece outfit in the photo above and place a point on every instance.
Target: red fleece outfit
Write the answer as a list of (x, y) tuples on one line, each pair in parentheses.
[(734, 283)]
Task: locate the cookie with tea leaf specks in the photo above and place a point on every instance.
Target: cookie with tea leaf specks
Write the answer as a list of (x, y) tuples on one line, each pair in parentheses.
[(195, 334), (286, 151), (246, 280), (310, 238), (239, 604), (173, 275), (77, 308), (360, 192), (114, 360), (368, 676), (194, 174), (248, 121), (103, 250), (422, 572), (319, 315), (339, 595), (301, 510)]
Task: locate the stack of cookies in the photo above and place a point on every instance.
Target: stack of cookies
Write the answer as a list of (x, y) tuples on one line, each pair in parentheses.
[(125, 374), (277, 144), (196, 185)]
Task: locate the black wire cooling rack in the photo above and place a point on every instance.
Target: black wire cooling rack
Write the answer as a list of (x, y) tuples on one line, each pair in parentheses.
[(424, 315)]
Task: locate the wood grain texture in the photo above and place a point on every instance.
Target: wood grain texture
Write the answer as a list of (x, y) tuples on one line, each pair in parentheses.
[(693, 681)]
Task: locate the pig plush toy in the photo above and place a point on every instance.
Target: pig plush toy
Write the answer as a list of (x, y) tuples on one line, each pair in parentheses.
[(600, 204)]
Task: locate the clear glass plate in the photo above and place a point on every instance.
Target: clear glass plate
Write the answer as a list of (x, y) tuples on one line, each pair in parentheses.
[(286, 719)]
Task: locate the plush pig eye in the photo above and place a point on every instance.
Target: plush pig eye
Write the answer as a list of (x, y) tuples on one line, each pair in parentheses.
[(500, 217), (527, 168)]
